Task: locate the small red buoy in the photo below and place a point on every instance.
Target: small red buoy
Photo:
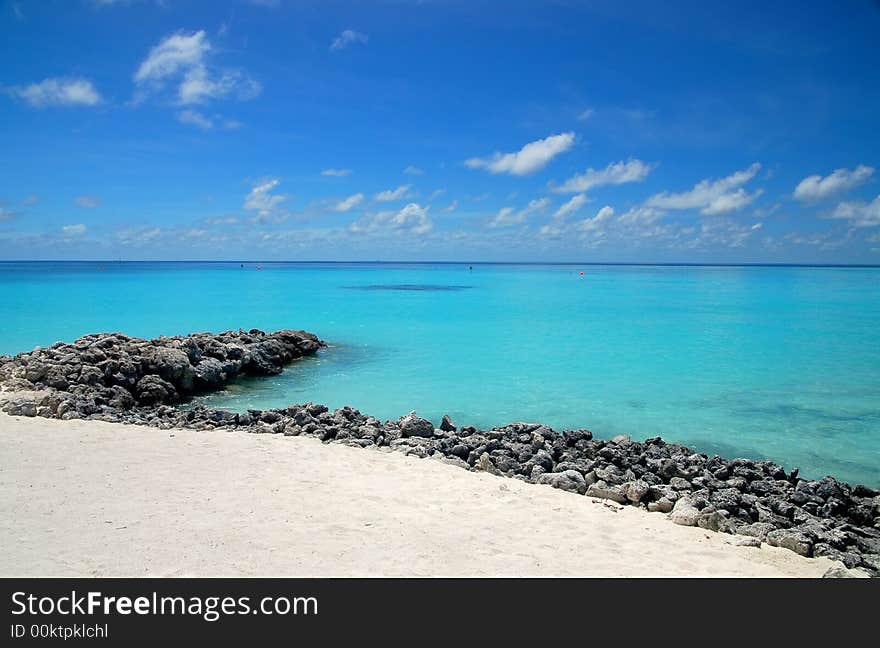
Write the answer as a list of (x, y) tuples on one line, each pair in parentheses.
[(582, 274), (259, 267)]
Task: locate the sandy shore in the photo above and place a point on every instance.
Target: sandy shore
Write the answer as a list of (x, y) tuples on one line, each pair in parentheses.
[(84, 498)]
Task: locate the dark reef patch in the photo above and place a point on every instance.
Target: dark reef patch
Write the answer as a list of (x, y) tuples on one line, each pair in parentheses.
[(411, 287)]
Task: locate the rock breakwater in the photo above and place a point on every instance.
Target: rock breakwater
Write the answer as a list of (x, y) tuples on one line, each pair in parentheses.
[(113, 377)]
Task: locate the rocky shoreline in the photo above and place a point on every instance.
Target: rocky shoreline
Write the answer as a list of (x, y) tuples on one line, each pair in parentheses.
[(117, 378)]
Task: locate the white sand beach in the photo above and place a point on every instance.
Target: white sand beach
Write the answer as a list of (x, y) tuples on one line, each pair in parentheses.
[(84, 498)]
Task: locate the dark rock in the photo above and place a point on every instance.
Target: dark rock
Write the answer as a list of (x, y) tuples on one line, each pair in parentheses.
[(604, 491), (860, 490), (792, 540), (412, 425), (568, 480), (714, 521), (209, 375), (152, 390), (662, 505), (685, 513), (838, 571), (446, 424), (635, 491)]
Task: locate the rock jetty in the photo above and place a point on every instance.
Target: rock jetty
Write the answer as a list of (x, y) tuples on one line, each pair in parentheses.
[(113, 377)]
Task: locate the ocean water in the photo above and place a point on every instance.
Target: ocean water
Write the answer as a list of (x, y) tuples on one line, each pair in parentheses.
[(763, 362)]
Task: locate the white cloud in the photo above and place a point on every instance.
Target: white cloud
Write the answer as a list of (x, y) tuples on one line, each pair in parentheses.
[(336, 173), (413, 170), (73, 230), (138, 235), (729, 202), (392, 194), (59, 91), (860, 214), (559, 225), (349, 203), (641, 215), (176, 53), (451, 207), (723, 232), (194, 118), (711, 197), (571, 206), (815, 187), (223, 220), (412, 219), (614, 174), (87, 202), (348, 37), (199, 86), (602, 217), (184, 58), (532, 157), (261, 200), (585, 114), (507, 216)]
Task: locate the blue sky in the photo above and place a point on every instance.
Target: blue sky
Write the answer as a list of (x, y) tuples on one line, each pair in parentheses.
[(440, 130)]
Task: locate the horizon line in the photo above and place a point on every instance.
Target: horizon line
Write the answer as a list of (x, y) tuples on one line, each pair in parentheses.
[(474, 262)]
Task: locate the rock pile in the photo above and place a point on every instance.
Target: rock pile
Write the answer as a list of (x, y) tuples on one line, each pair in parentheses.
[(117, 378), (108, 374)]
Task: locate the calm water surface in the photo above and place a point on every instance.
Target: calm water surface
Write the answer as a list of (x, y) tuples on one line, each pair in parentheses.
[(778, 362)]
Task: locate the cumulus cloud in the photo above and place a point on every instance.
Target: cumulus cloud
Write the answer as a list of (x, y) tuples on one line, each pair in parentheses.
[(136, 236), (348, 37), (614, 174), (711, 197), (413, 170), (507, 216), (451, 207), (859, 214), (603, 216), (73, 91), (641, 215), (266, 204), (815, 187), (87, 202), (571, 206), (177, 53), (335, 173), (195, 118), (411, 219), (184, 59), (392, 194), (532, 157), (349, 203), (560, 225), (73, 230)]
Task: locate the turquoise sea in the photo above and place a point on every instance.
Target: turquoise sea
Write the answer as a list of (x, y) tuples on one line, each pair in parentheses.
[(764, 362)]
